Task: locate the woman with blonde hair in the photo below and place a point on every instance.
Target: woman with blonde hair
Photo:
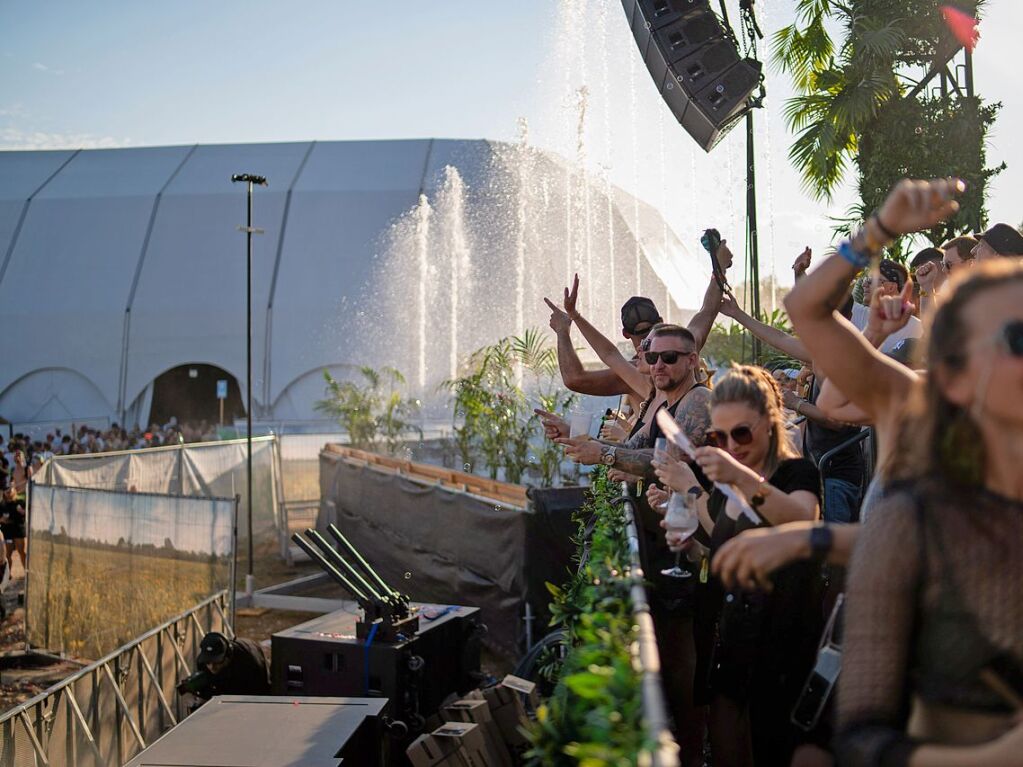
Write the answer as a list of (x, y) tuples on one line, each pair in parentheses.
[(766, 642)]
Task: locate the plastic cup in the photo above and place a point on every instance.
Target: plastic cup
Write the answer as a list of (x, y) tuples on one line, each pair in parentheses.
[(579, 424)]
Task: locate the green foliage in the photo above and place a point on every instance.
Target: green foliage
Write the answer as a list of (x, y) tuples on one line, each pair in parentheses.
[(493, 417), (594, 716), (853, 105), (368, 412)]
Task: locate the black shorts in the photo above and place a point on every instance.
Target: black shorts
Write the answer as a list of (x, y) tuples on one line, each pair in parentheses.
[(12, 532)]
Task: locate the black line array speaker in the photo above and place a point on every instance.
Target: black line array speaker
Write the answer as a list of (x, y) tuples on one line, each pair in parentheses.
[(695, 64)]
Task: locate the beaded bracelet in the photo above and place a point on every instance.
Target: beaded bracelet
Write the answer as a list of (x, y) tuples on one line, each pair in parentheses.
[(856, 259)]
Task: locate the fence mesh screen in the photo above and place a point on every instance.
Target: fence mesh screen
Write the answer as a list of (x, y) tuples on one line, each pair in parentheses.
[(208, 469), (107, 566)]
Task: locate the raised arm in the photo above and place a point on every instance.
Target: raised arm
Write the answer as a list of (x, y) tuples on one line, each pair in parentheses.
[(779, 339), (599, 383), (702, 322), (604, 347), (867, 377)]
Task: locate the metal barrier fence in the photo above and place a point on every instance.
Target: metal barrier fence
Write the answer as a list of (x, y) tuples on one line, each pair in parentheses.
[(109, 711), (648, 660)]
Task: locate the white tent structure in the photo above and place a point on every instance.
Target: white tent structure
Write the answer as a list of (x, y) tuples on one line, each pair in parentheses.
[(119, 265)]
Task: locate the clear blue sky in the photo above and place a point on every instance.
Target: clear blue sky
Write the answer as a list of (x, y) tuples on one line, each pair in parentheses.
[(119, 74)]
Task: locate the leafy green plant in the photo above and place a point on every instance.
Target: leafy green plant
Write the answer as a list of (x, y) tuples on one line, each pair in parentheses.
[(368, 412), (594, 715), (493, 417)]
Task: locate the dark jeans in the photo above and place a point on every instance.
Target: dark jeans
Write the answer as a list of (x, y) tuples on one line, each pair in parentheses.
[(841, 501)]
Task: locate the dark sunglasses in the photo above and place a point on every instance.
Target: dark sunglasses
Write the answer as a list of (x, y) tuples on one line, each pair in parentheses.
[(741, 435), (670, 357), (1010, 338)]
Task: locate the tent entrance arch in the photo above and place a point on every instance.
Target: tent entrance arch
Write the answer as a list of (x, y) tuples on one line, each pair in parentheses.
[(189, 393)]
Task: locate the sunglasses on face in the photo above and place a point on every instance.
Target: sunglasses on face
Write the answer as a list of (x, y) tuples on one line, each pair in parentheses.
[(741, 435), (670, 356), (1010, 338)]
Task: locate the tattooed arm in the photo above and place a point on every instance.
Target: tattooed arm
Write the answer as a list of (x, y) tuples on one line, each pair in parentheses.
[(692, 415)]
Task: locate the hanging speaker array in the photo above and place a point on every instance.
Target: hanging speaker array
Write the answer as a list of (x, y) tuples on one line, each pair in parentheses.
[(695, 63)]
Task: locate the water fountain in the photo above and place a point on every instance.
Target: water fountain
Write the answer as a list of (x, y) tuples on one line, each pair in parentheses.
[(488, 238)]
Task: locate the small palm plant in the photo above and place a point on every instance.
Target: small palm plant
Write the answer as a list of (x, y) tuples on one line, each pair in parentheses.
[(367, 412)]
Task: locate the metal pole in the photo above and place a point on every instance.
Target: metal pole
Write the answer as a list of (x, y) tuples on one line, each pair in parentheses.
[(248, 385), (751, 229)]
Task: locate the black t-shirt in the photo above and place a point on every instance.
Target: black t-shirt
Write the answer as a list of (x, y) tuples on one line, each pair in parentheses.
[(791, 475), (847, 464), (12, 519)]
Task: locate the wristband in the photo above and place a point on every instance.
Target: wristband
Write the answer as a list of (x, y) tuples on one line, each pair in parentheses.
[(799, 405), (887, 232), (821, 541), (855, 258)]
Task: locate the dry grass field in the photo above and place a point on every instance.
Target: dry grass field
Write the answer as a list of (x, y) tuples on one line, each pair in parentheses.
[(89, 601)]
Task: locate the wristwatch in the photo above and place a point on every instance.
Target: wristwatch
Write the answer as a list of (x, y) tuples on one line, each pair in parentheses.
[(821, 541), (608, 455), (763, 490)]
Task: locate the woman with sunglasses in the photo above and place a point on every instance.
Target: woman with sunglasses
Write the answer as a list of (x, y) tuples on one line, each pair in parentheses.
[(766, 642), (935, 594)]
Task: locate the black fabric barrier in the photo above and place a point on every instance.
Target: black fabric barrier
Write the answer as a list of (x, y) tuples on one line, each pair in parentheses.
[(549, 547), (434, 544)]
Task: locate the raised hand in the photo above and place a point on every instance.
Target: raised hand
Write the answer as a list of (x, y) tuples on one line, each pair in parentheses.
[(725, 256), (913, 206), (560, 322), (930, 276), (802, 262), (890, 313), (554, 426), (729, 307), (571, 297)]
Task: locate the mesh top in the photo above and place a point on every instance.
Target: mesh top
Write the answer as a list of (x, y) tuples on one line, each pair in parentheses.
[(935, 593)]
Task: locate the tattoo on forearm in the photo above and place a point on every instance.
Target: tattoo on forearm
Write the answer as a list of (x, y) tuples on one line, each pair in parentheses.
[(634, 461), (693, 415)]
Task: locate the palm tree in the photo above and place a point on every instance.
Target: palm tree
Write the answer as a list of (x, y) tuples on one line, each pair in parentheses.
[(841, 90)]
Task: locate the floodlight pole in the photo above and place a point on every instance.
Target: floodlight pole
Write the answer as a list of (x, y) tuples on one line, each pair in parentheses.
[(753, 278), (249, 179)]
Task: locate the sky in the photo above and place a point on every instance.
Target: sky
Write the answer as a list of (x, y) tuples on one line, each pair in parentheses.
[(106, 74)]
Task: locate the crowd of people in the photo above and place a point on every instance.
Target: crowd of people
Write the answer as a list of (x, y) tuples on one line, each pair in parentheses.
[(851, 593)]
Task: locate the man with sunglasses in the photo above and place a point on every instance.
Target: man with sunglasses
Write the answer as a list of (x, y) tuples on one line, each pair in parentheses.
[(639, 315), (671, 352)]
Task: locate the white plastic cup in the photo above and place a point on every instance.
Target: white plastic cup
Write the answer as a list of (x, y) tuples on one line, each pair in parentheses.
[(579, 423)]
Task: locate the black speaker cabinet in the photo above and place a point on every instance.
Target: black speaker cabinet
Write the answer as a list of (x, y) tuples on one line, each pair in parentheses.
[(324, 657), (694, 63)]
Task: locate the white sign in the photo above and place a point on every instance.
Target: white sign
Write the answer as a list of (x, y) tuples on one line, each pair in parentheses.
[(222, 389)]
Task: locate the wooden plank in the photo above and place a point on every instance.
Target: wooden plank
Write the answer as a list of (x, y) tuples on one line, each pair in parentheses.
[(506, 492)]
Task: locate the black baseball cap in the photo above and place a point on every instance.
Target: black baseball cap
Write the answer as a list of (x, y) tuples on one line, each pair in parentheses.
[(639, 315), (1003, 239), (213, 648)]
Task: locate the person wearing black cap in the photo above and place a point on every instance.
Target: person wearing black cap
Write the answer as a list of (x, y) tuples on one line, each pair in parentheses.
[(639, 315), (236, 666), (999, 240)]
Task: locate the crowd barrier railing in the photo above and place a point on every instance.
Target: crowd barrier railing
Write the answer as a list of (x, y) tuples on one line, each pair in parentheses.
[(107, 712), (646, 656)]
